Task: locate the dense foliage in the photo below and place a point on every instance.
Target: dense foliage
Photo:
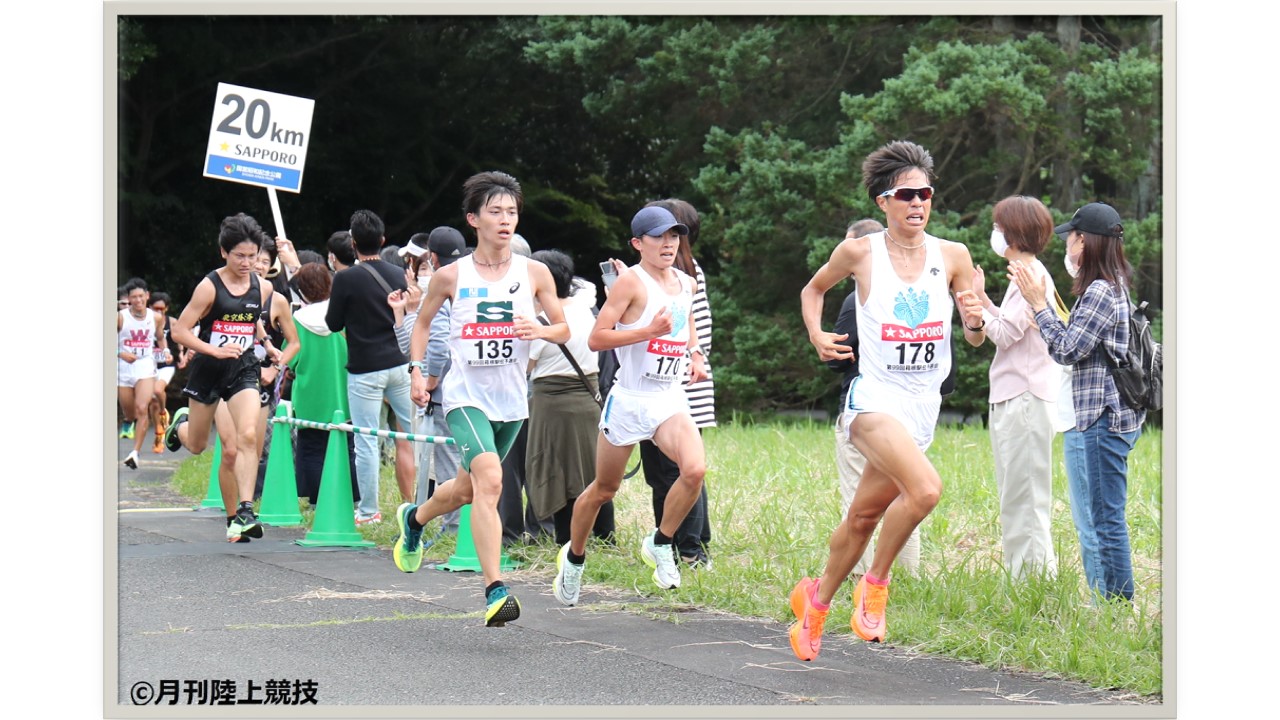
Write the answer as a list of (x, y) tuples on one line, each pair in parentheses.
[(760, 122)]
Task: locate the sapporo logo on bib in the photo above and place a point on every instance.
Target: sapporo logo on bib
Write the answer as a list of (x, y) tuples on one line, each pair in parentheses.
[(235, 330), (665, 354), (490, 340), (911, 347)]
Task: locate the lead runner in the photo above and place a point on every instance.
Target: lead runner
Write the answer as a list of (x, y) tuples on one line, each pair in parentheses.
[(905, 278)]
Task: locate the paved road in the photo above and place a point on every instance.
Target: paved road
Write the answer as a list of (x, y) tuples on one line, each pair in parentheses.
[(347, 627)]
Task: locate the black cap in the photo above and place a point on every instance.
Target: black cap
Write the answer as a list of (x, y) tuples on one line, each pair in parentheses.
[(1095, 219), (448, 243)]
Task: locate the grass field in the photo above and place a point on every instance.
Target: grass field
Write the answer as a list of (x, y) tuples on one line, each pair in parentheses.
[(774, 502)]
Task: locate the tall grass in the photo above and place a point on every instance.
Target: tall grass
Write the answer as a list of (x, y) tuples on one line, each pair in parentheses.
[(774, 502)]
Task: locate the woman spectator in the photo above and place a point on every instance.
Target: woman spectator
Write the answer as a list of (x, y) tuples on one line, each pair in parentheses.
[(660, 472), (1024, 387), (563, 409), (320, 382), (1098, 327)]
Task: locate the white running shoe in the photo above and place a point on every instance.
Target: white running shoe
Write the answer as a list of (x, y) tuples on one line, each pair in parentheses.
[(568, 582), (131, 460), (662, 559)]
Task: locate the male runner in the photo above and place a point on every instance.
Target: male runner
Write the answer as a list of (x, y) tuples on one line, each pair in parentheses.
[(228, 306), (648, 320), (140, 333), (492, 320)]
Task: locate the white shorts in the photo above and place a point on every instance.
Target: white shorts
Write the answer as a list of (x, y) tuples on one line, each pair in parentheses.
[(128, 374), (630, 416), (165, 374), (918, 414)]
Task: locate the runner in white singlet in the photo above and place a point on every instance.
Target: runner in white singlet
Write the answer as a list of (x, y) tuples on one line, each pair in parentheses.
[(905, 279)]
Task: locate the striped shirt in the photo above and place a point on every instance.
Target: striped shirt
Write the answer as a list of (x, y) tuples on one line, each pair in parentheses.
[(1099, 325), (701, 395)]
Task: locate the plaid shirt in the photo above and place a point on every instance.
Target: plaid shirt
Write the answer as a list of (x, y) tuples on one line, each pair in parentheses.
[(1099, 324)]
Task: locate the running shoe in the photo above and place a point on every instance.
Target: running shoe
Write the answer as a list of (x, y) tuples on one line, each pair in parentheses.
[(869, 601), (131, 460), (407, 550), (171, 440), (162, 422), (373, 519), (697, 561), (245, 524), (503, 607), (806, 634), (568, 582), (662, 559), (126, 431)]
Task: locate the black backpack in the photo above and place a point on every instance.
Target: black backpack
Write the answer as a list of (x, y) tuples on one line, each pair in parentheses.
[(1139, 377)]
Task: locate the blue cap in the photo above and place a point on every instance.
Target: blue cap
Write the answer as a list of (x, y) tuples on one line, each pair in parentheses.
[(654, 221)]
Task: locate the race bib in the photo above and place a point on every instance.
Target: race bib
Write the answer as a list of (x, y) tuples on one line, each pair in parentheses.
[(138, 342), (663, 360), (226, 333), (911, 350), (488, 344)]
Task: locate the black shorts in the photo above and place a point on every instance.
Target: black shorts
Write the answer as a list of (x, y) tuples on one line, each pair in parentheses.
[(214, 379)]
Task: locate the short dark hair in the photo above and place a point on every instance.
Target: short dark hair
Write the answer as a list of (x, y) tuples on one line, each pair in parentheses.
[(367, 231), (480, 188), (240, 228), (561, 267), (342, 247), (309, 256), (163, 297), (1025, 221), (134, 283), (886, 164)]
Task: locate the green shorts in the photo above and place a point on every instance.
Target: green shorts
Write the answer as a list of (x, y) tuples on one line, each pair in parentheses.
[(475, 433)]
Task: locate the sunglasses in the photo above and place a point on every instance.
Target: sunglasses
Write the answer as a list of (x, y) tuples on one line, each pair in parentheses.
[(905, 194)]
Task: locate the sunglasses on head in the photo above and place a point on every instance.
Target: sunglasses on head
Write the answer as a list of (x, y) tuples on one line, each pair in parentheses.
[(905, 194)]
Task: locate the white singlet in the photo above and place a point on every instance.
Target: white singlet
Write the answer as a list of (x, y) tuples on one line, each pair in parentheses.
[(489, 361), (137, 337), (657, 365)]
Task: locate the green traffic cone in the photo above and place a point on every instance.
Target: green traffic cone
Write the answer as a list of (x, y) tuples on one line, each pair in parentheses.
[(280, 487), (334, 524), (464, 558), (214, 498)]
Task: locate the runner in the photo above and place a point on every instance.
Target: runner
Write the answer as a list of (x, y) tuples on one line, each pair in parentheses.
[(491, 294), (648, 319), (228, 305), (278, 323), (140, 332), (905, 278), (169, 359)]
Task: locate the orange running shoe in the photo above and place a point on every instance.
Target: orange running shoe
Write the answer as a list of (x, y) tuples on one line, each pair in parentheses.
[(869, 601), (806, 635)]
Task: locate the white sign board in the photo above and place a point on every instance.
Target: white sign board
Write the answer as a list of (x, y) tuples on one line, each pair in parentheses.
[(258, 137)]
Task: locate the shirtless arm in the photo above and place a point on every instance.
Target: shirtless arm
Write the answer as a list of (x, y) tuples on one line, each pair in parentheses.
[(628, 293), (960, 268), (846, 260), (544, 291), (181, 329)]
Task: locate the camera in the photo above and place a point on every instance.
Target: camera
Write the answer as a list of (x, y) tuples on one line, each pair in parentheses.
[(608, 273)]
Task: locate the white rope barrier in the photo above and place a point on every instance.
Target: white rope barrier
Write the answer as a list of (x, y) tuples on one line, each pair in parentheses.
[(365, 431)]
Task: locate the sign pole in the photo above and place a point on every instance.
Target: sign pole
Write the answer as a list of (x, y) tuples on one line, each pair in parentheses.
[(275, 212)]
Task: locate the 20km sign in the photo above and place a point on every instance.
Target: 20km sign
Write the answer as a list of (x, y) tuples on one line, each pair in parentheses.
[(258, 137)]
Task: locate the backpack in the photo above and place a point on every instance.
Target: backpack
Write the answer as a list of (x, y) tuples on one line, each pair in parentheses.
[(1139, 376)]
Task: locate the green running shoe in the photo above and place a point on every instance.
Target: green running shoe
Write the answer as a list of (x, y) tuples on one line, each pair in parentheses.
[(407, 550), (171, 440), (503, 608), (245, 524), (126, 431)]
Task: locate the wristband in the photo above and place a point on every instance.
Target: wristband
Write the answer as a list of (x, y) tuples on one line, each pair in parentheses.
[(418, 364), (977, 329)]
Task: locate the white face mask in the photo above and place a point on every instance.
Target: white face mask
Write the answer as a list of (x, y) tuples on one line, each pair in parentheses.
[(998, 244), (1072, 268), (423, 282)]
